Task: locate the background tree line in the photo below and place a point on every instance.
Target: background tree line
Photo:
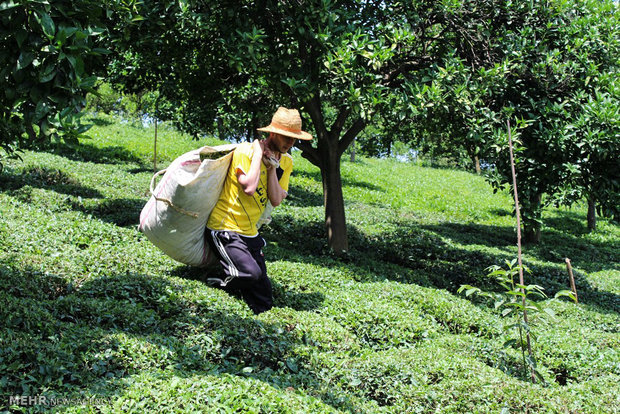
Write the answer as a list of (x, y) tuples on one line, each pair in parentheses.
[(443, 77)]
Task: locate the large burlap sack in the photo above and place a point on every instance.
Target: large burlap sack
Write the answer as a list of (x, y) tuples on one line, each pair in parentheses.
[(175, 216)]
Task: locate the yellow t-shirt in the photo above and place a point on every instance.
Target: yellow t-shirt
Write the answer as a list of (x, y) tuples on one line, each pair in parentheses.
[(235, 210)]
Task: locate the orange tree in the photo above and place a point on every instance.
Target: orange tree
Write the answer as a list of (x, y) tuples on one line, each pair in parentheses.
[(50, 53), (558, 82), (552, 66), (594, 130)]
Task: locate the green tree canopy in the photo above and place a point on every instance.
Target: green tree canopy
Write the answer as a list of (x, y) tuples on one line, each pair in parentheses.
[(551, 68), (342, 63), (452, 71), (50, 55)]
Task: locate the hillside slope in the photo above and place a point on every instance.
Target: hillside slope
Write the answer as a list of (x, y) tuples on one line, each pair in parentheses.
[(92, 312)]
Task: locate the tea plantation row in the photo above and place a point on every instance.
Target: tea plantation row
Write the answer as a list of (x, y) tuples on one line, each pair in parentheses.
[(92, 312)]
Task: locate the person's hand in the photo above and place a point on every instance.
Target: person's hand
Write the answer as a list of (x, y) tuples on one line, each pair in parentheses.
[(267, 152), (269, 158), (270, 162)]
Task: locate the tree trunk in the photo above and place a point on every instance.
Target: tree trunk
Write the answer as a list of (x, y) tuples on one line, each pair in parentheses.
[(531, 224), (331, 144), (221, 134), (255, 133), (591, 214), (531, 232), (353, 151), (477, 164), (335, 221)]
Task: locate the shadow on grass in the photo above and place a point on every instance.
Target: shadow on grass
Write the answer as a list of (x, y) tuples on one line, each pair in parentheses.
[(142, 169), (70, 339), (475, 234), (425, 255), (568, 222), (122, 212), (501, 212), (100, 121), (283, 296), (589, 255), (300, 197), (86, 152), (46, 178)]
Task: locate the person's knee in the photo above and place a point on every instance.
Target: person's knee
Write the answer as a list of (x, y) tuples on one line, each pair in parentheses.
[(246, 270), (254, 273)]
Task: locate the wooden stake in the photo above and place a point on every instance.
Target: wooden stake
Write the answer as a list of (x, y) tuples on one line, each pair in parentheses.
[(155, 148), (572, 278), (518, 214)]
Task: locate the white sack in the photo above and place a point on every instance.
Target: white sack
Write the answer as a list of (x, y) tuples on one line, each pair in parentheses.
[(175, 216)]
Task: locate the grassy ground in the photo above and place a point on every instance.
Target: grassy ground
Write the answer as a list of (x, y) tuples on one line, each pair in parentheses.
[(93, 313)]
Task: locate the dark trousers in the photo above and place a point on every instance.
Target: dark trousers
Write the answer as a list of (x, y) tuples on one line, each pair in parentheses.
[(244, 265)]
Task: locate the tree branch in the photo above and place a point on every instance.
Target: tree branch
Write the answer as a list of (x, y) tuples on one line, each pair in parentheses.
[(313, 107), (390, 78), (309, 152), (339, 123), (414, 57), (357, 127)]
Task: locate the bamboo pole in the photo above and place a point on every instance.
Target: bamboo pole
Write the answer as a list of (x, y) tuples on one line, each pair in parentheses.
[(518, 213), (572, 278)]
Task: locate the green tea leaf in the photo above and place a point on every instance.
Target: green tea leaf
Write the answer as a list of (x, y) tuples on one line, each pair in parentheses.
[(49, 28)]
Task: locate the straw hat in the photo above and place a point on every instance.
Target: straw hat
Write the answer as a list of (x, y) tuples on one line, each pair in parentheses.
[(287, 122)]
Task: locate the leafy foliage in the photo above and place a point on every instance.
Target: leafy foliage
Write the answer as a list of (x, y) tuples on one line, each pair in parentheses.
[(516, 302), (549, 66), (342, 63), (51, 53)]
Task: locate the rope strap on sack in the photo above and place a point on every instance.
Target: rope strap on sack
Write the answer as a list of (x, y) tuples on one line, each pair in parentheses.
[(166, 200)]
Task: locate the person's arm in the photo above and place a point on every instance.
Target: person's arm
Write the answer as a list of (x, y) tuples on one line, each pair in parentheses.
[(275, 192), (249, 181)]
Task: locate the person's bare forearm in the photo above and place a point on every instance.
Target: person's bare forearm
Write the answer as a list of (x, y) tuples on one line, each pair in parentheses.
[(275, 192)]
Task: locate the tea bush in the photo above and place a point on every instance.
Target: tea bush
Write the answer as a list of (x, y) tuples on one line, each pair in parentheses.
[(92, 313)]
